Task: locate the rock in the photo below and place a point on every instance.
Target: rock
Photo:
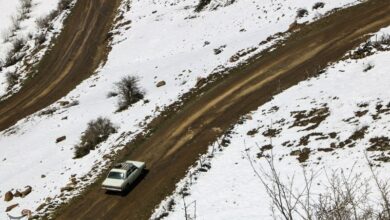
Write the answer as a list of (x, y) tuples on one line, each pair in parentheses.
[(26, 191), (27, 212), (217, 130), (73, 180), (200, 81), (43, 176), (67, 188), (40, 207), (17, 194), (64, 103), (9, 208), (161, 83), (62, 138), (8, 196)]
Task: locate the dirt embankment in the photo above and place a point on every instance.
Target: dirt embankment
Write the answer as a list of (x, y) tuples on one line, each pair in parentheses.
[(179, 139), (78, 50)]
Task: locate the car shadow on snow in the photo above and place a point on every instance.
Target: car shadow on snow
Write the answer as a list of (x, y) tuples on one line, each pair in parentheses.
[(131, 187)]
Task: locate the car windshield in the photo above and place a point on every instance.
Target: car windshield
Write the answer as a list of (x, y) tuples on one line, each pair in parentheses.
[(116, 175)]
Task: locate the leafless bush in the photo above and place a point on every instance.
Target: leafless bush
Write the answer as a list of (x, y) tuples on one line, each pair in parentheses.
[(12, 79), (383, 40), (26, 4), (40, 38), (128, 92), (201, 5), (302, 12), (18, 44), (64, 4), (7, 34), (24, 9), (15, 19), (318, 5), (97, 131), (346, 195), (43, 22), (14, 55)]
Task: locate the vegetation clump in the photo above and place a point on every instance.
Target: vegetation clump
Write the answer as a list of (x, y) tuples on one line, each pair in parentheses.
[(97, 131), (128, 92), (302, 12)]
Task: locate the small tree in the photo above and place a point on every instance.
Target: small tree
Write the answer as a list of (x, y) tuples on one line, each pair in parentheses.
[(302, 12), (201, 5), (128, 92), (318, 5), (97, 131), (12, 79)]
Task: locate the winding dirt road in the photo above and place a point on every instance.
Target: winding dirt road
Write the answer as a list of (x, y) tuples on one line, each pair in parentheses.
[(78, 50), (179, 139)]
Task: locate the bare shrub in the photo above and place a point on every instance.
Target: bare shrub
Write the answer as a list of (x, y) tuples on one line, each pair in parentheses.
[(346, 195), (384, 39), (18, 44), (302, 12), (318, 5), (40, 38), (43, 22), (12, 79), (201, 5), (14, 55), (10, 60), (7, 34), (64, 4), (24, 9), (27, 4), (128, 92), (15, 23), (97, 131)]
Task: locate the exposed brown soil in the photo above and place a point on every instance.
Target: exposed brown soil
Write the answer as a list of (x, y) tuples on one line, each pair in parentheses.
[(78, 50), (177, 141)]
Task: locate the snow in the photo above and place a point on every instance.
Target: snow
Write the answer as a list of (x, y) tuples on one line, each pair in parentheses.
[(166, 40), (344, 89)]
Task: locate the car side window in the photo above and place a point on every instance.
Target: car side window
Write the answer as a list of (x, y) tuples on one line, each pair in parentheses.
[(128, 173)]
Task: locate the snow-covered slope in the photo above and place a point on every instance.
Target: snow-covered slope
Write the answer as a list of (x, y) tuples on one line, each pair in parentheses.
[(165, 41), (327, 123)]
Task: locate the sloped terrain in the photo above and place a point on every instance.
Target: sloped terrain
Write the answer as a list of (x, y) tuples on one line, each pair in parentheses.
[(177, 141), (327, 123), (197, 81)]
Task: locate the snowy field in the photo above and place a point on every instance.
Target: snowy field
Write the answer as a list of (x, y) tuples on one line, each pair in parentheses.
[(165, 41), (337, 117)]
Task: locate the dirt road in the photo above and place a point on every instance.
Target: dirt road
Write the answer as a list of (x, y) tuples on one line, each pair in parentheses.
[(178, 140), (77, 52)]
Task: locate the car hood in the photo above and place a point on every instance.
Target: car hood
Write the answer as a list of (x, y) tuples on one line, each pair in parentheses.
[(113, 182)]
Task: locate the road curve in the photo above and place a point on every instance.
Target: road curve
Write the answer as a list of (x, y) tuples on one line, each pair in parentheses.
[(77, 51), (178, 140)]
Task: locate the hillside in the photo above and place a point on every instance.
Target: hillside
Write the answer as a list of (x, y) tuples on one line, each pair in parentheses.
[(185, 56), (323, 125)]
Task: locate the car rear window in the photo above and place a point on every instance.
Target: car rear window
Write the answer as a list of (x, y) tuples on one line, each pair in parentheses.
[(116, 175)]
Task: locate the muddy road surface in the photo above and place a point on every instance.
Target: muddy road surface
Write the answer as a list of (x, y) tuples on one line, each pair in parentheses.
[(179, 139), (77, 52)]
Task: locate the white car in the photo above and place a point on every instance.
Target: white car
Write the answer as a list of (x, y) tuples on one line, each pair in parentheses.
[(123, 175)]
